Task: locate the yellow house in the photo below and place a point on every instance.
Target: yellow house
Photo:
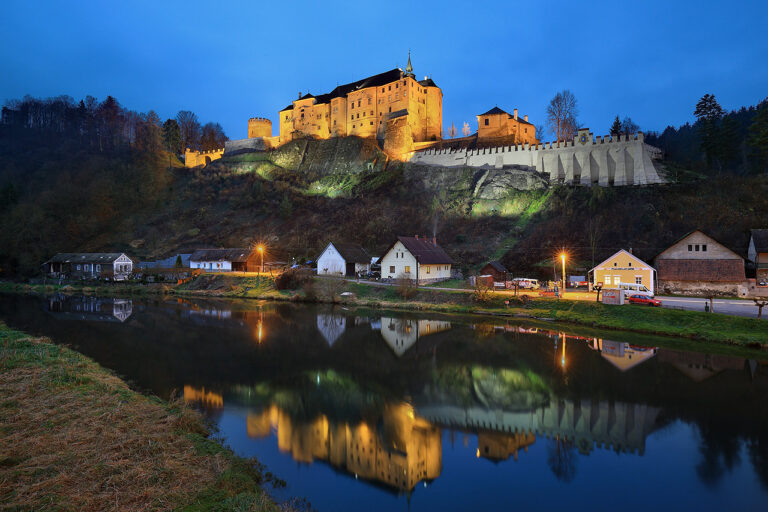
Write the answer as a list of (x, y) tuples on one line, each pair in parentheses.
[(624, 267)]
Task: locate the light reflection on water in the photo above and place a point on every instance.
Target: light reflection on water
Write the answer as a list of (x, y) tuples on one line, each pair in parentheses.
[(362, 402)]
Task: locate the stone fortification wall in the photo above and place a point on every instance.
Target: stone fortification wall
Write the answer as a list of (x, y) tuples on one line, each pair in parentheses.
[(238, 146), (195, 158), (604, 161)]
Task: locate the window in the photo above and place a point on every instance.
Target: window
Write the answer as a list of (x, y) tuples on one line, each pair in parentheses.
[(629, 264), (302, 115), (427, 268), (358, 116), (382, 89), (98, 268), (486, 121), (392, 269), (78, 267), (697, 247), (397, 85), (358, 103), (616, 279), (690, 248), (704, 248), (369, 100), (371, 123), (615, 264), (334, 122), (352, 116), (389, 88), (638, 280), (407, 269), (371, 112)]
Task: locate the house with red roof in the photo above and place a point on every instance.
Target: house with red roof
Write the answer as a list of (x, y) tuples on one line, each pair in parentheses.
[(417, 258)]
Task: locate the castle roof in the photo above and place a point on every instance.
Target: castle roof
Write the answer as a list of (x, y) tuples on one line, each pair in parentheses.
[(393, 75), (497, 110)]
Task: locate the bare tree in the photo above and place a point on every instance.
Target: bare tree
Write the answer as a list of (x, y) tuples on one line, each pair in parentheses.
[(629, 126), (405, 286), (561, 115), (452, 131), (466, 130), (594, 234), (190, 129)]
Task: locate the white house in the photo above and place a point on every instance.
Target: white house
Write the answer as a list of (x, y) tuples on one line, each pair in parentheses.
[(343, 259), (223, 260), (417, 258)]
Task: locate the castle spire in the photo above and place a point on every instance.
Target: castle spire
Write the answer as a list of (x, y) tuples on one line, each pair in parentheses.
[(409, 67)]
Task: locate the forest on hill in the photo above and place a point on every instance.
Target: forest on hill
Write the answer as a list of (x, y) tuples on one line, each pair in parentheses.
[(94, 176)]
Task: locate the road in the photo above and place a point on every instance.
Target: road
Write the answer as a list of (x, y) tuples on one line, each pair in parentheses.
[(736, 307)]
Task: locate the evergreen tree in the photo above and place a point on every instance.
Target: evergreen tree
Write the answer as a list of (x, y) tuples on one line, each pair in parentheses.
[(172, 136), (709, 113), (729, 141), (758, 138), (615, 127), (178, 263)]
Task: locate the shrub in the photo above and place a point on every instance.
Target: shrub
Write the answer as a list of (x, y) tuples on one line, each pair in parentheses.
[(482, 292), (330, 287), (405, 286), (293, 279)]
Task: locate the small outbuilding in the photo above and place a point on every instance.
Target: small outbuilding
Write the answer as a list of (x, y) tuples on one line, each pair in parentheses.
[(698, 264), (343, 259), (624, 268), (90, 265), (758, 254), (417, 258), (496, 270), (225, 260)]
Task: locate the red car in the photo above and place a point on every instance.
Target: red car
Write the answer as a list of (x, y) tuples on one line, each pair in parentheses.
[(643, 299)]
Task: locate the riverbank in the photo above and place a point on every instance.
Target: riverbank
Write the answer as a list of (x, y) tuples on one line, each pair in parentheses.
[(75, 437), (703, 328)]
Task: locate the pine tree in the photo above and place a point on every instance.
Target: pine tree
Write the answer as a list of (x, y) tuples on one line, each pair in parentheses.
[(709, 113), (172, 136), (758, 138), (615, 127)]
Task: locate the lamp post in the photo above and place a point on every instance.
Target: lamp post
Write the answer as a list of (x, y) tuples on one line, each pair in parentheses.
[(562, 258), (260, 248)]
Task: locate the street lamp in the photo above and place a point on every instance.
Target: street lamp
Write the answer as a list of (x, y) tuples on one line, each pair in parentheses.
[(562, 258), (260, 248)]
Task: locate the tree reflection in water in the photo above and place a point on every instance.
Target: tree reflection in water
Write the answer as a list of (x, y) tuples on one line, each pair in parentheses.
[(561, 458)]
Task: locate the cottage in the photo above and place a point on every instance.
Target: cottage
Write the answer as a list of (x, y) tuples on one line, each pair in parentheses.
[(416, 258), (343, 259), (496, 270), (225, 260), (758, 254), (90, 265), (624, 267), (698, 264)]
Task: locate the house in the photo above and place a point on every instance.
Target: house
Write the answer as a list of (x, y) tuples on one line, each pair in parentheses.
[(758, 254), (699, 264), (343, 259), (495, 269), (166, 263), (417, 258), (624, 267), (225, 260), (90, 265)]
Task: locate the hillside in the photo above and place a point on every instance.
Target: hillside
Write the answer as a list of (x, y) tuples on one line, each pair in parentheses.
[(297, 198)]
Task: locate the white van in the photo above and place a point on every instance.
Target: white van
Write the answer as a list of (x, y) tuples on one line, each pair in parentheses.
[(634, 289), (524, 282)]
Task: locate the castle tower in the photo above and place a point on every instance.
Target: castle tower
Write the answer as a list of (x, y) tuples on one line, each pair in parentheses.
[(259, 127)]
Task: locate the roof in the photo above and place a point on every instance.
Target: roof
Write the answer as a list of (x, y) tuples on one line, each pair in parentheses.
[(705, 235), (496, 111), (497, 266), (289, 107), (760, 239), (640, 263), (424, 250), (398, 113), (86, 257), (427, 82), (700, 270), (238, 255), (352, 253)]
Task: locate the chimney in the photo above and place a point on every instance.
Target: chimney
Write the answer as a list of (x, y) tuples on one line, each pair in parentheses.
[(299, 94), (630, 251), (515, 114), (525, 117)]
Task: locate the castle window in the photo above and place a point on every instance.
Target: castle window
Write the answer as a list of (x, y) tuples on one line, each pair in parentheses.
[(389, 88), (302, 115), (334, 122), (352, 116), (369, 100), (358, 103), (371, 123), (358, 116), (397, 96), (397, 85), (353, 126), (371, 112), (486, 121), (382, 89)]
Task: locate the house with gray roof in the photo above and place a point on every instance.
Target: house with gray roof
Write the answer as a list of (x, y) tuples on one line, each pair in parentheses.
[(341, 258), (224, 260), (417, 258), (90, 265)]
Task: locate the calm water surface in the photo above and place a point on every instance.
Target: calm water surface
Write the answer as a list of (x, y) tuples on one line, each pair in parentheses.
[(360, 410)]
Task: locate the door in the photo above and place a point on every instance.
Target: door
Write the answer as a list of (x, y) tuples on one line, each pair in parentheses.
[(350, 270)]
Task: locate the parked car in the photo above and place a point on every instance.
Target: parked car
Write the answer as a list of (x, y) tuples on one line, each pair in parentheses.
[(373, 276), (644, 300)]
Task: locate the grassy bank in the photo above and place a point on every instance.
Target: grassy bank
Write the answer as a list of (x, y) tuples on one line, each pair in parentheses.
[(702, 327), (75, 437)]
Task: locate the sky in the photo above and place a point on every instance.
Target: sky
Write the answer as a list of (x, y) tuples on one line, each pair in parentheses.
[(229, 61)]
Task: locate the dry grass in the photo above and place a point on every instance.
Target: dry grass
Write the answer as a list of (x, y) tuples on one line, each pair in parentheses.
[(74, 437)]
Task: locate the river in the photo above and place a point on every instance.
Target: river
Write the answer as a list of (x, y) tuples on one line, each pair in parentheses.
[(374, 410)]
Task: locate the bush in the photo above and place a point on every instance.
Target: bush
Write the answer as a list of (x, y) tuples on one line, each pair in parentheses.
[(405, 286), (482, 292), (293, 279), (330, 287)]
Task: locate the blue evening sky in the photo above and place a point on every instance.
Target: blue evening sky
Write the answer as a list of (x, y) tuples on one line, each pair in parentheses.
[(228, 61)]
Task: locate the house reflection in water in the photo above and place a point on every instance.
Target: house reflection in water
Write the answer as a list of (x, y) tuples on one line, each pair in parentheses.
[(93, 309), (331, 326), (404, 451), (622, 355), (207, 399), (401, 333), (699, 366)]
